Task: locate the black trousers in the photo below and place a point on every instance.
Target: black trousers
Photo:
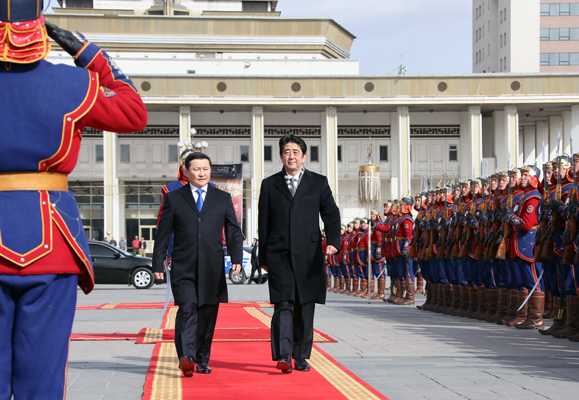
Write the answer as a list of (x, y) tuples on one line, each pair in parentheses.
[(194, 328), (255, 268), (292, 330)]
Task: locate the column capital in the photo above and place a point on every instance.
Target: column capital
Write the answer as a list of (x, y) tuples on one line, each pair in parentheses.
[(511, 109), (257, 110), (185, 110), (331, 110), (402, 110), (474, 110)]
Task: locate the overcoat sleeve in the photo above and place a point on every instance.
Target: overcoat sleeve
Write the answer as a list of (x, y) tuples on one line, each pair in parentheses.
[(163, 235), (233, 234), (262, 223), (330, 214)]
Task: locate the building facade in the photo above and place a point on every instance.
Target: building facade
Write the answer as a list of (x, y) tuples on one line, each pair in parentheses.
[(242, 81), (522, 36)]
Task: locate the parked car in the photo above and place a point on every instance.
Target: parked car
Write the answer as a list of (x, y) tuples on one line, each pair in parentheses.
[(114, 266), (245, 269)]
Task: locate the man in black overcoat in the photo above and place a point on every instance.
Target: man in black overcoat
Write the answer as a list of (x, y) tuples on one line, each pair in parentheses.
[(197, 214), (290, 249)]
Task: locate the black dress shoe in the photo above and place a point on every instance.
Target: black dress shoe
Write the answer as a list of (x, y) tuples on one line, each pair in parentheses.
[(203, 368), (186, 365), (301, 364), (285, 364)]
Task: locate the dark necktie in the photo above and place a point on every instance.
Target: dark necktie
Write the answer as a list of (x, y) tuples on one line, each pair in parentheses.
[(293, 189)]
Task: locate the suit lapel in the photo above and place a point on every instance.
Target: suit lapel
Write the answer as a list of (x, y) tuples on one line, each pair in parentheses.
[(208, 198), (186, 192), (281, 185), (304, 184)]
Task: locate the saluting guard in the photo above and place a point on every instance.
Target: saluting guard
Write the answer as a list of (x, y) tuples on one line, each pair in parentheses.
[(44, 252)]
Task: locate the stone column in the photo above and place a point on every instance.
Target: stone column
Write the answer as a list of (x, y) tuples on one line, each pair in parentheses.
[(257, 171), (111, 184), (475, 139), (512, 134), (184, 123), (574, 128), (542, 136), (530, 150), (329, 147), (400, 148), (555, 129)]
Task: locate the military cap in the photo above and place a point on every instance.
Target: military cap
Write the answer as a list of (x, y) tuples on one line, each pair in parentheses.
[(20, 10)]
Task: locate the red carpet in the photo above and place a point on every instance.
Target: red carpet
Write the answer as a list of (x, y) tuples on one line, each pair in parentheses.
[(245, 370), (120, 306)]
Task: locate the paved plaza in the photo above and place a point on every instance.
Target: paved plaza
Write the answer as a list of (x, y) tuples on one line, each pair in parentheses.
[(404, 353)]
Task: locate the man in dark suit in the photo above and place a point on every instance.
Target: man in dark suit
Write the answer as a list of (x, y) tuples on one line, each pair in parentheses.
[(197, 214), (255, 264), (290, 205)]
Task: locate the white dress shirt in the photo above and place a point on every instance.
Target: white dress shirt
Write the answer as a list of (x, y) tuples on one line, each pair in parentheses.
[(297, 178), (195, 194)]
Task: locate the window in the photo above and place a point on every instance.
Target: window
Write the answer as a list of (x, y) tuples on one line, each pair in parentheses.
[(173, 153), (501, 65), (574, 34), (553, 34), (505, 38), (505, 64), (501, 19), (545, 10), (79, 4), (267, 153), (505, 14), (99, 153), (453, 152), (339, 153), (564, 59), (254, 6), (574, 10), (125, 153), (100, 251), (244, 150), (553, 9), (384, 153), (553, 58), (314, 154), (564, 9), (564, 34), (574, 58), (544, 34), (501, 41), (544, 59)]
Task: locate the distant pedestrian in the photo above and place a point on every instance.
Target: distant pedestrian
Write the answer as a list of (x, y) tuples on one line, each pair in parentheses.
[(113, 242), (143, 247), (255, 264), (106, 240), (123, 244), (136, 244)]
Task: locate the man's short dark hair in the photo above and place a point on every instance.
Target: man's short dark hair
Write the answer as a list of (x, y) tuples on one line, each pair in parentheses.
[(291, 138), (196, 156)]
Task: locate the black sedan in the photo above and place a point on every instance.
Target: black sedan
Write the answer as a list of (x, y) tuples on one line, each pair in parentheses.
[(115, 266)]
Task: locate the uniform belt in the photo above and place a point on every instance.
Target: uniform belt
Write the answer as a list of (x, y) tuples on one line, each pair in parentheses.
[(16, 181), (400, 238)]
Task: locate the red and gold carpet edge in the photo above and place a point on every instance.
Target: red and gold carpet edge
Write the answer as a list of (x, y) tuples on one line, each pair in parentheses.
[(245, 371)]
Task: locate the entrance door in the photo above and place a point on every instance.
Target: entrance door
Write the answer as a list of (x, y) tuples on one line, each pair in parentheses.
[(149, 232)]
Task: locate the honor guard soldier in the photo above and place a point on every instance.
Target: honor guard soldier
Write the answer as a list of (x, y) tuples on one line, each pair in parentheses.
[(342, 262), (524, 221), (348, 258), (443, 226), (420, 214), (363, 256), (44, 253), (403, 230), (353, 246), (510, 200), (563, 325), (378, 268)]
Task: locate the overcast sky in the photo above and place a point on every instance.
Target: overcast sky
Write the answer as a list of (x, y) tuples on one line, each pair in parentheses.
[(434, 35)]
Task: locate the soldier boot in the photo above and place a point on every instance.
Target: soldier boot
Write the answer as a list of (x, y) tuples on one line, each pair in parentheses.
[(482, 303), (502, 306), (419, 285), (381, 290), (535, 312), (511, 307), (492, 304), (363, 288), (355, 285), (522, 313), (409, 298), (572, 325), (559, 320), (548, 305)]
